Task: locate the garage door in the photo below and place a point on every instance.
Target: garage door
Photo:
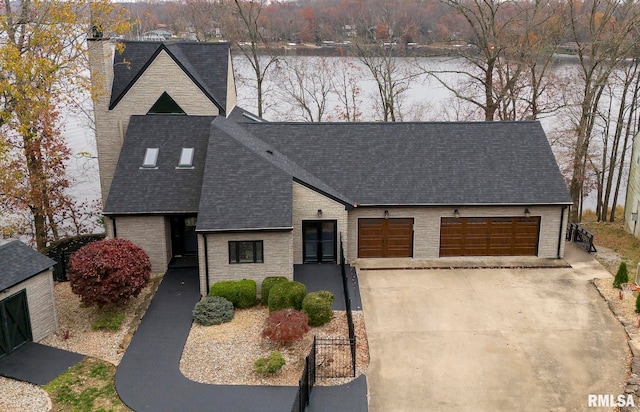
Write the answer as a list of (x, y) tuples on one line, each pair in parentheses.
[(15, 328), (493, 236), (385, 238)]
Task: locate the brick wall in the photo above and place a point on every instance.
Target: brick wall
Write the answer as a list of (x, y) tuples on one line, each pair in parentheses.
[(426, 243), (40, 298), (278, 259), (151, 233), (306, 203)]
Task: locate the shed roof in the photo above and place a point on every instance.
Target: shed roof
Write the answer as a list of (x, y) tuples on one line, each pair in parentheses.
[(19, 262)]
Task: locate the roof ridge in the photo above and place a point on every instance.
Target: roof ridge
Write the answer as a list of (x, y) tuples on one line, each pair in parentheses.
[(277, 158)]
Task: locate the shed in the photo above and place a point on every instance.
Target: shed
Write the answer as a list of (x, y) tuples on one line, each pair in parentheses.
[(27, 304)]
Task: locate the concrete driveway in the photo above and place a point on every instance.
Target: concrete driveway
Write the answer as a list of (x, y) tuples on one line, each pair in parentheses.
[(490, 339)]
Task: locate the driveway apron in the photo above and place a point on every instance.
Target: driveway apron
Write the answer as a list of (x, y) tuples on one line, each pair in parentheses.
[(149, 377), (490, 340)]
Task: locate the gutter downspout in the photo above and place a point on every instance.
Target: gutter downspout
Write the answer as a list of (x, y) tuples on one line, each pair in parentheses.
[(560, 234), (206, 264), (113, 224)]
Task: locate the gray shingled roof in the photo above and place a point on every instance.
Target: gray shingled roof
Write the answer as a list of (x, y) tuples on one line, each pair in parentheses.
[(201, 61), (460, 163), (19, 262), (241, 189), (165, 189)]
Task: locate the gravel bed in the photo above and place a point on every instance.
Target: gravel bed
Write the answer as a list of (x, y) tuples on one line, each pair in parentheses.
[(16, 396), (224, 354)]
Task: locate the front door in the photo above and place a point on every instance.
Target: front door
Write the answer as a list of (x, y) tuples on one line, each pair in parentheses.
[(184, 241), (15, 326), (319, 241)]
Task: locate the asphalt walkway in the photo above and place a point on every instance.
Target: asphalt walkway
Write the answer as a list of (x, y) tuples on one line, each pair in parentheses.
[(37, 364), (149, 377)]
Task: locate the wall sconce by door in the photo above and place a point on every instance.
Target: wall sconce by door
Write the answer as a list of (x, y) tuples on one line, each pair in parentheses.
[(386, 214), (319, 212)]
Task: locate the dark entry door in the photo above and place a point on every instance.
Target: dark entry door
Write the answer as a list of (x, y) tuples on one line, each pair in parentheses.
[(319, 241), (15, 327), (184, 241)]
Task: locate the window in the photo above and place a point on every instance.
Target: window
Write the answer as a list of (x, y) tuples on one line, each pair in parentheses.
[(245, 252), (150, 158), (186, 158)]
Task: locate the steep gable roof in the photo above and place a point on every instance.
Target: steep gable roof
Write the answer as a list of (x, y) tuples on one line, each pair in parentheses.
[(461, 163), (19, 263), (241, 190), (166, 188), (207, 64)]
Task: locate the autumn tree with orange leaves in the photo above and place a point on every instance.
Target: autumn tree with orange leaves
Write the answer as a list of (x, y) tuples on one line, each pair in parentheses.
[(42, 62)]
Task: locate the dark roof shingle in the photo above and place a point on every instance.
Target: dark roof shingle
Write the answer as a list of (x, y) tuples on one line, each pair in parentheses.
[(165, 189), (19, 262)]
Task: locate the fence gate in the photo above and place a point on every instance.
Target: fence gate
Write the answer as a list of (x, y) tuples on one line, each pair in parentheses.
[(334, 358)]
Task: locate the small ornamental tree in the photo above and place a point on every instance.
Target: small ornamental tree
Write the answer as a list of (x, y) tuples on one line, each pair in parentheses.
[(286, 326), (622, 276), (108, 272)]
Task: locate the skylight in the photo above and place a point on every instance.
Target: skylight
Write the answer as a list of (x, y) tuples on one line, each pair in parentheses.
[(150, 157), (186, 157)]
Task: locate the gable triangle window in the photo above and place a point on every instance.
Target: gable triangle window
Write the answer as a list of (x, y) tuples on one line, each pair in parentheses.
[(165, 105)]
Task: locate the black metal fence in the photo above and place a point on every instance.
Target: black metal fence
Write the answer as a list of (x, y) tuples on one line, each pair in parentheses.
[(61, 250), (334, 358), (580, 236), (347, 298), (306, 382)]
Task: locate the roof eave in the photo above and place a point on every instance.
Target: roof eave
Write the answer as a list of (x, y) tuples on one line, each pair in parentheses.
[(255, 229)]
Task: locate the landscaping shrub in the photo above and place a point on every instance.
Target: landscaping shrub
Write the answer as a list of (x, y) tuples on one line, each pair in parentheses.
[(286, 295), (109, 320), (271, 364), (110, 271), (317, 305), (285, 326), (622, 276), (213, 310), (267, 284), (242, 293)]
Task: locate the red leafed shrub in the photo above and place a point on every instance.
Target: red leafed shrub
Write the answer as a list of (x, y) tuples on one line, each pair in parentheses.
[(108, 272), (286, 326)]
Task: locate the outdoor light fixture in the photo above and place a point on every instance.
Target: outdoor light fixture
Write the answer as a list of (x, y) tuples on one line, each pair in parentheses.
[(386, 214), (319, 212), (527, 213), (456, 213)]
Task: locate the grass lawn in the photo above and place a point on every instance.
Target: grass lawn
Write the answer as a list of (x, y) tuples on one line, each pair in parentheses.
[(614, 237), (87, 386)]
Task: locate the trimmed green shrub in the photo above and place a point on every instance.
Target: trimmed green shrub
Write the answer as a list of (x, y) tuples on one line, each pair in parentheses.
[(317, 305), (271, 364), (213, 310), (286, 295), (267, 284), (622, 276), (286, 326), (242, 293)]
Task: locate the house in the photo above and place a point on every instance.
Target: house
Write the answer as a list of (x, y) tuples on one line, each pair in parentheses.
[(185, 172), (27, 306), (632, 201)]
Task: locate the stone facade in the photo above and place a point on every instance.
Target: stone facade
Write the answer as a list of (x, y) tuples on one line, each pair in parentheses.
[(152, 234), (40, 298), (306, 203), (426, 231), (278, 259)]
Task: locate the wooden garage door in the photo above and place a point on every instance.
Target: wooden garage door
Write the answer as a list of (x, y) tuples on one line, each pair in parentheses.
[(385, 238), (493, 236), (15, 327)]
